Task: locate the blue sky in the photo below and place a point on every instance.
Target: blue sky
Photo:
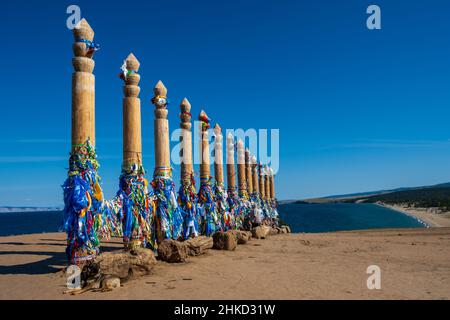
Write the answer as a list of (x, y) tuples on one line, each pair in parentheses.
[(357, 109)]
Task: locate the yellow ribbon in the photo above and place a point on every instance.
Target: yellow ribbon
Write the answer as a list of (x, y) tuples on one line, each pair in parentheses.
[(83, 212), (98, 194)]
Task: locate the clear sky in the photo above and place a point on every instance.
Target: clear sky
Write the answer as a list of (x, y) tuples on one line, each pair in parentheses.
[(357, 109)]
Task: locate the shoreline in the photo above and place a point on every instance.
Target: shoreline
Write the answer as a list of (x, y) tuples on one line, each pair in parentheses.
[(414, 263), (429, 219)]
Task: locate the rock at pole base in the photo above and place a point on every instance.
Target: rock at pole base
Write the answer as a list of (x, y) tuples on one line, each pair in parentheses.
[(224, 241)]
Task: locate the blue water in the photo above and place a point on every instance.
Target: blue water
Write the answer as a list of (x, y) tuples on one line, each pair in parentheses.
[(343, 216), (14, 223), (301, 218)]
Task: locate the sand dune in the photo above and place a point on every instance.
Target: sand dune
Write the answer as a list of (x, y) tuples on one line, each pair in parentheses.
[(414, 265)]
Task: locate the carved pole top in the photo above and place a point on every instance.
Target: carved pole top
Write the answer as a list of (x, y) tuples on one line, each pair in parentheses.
[(160, 90), (253, 160), (217, 130), (247, 155), (83, 47), (204, 119), (129, 74), (160, 100), (218, 138), (83, 31), (132, 63), (185, 106), (185, 114), (240, 145)]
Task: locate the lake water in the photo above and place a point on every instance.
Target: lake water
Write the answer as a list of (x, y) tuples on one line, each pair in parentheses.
[(301, 218), (14, 223), (343, 216)]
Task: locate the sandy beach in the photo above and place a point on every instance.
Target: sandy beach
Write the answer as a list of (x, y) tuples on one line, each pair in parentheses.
[(414, 264), (430, 218)]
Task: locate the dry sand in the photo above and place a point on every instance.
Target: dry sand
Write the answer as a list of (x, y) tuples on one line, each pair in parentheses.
[(431, 218), (415, 264)]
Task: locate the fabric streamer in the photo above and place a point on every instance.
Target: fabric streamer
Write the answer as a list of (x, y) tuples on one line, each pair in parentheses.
[(112, 227), (209, 221), (91, 47), (223, 212), (136, 214), (235, 208), (83, 202), (125, 72), (169, 217), (187, 200)]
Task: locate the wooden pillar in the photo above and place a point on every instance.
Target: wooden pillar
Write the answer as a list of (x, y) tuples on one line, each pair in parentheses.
[(231, 173), (205, 168), (262, 188), (255, 177), (206, 197), (272, 185), (132, 141), (267, 183), (242, 185), (136, 229), (83, 213), (187, 169), (83, 86), (248, 172), (187, 194), (161, 131), (218, 155), (169, 218)]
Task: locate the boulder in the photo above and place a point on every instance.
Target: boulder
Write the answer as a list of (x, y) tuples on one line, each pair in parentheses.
[(126, 264), (260, 232), (172, 251), (224, 241), (108, 270), (273, 231), (286, 228), (198, 245), (242, 237)]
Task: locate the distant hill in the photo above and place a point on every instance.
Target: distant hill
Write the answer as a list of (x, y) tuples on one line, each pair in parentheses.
[(436, 197), (28, 209), (379, 192)]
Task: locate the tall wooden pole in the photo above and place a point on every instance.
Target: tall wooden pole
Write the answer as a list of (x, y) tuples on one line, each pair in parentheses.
[(83, 196), (248, 173), (136, 218), (187, 197), (220, 192), (218, 154), (83, 86), (206, 198), (242, 184), (132, 141), (231, 173), (272, 185), (161, 131), (262, 188), (233, 198), (205, 168), (187, 169), (169, 218), (245, 206), (255, 177), (267, 183)]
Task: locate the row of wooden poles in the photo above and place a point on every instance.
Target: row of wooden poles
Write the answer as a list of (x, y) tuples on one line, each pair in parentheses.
[(253, 178)]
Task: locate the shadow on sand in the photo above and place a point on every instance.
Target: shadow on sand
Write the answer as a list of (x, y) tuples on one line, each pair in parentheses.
[(54, 262)]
